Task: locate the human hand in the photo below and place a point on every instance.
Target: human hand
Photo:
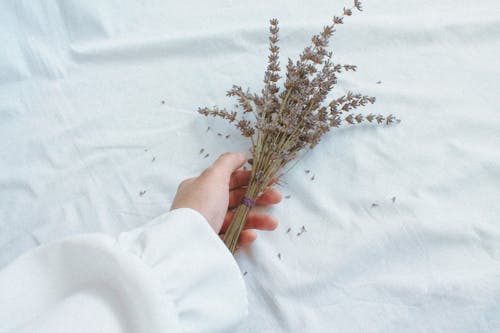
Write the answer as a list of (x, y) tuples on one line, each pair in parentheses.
[(219, 189)]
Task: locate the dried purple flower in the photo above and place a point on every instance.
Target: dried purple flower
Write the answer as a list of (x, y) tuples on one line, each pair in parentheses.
[(245, 128), (358, 6), (284, 123), (216, 112)]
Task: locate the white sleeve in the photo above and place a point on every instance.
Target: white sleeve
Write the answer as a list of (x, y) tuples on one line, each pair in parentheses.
[(172, 275)]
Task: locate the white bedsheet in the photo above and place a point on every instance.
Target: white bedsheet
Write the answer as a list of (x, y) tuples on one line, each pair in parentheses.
[(98, 103)]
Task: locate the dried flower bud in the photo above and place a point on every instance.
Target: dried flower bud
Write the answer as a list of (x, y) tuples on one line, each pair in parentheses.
[(273, 58), (391, 119), (274, 48), (327, 32), (357, 5), (338, 20), (273, 39), (273, 77), (244, 99), (245, 128), (216, 112), (350, 68), (349, 119)]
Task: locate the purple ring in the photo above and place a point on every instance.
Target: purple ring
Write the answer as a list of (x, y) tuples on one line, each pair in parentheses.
[(247, 202)]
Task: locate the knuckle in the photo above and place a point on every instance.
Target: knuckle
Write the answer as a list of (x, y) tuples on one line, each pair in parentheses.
[(210, 171), (225, 156), (185, 182)]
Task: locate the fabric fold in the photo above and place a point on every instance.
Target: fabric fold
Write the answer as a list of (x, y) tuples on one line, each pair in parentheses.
[(194, 267), (172, 275)]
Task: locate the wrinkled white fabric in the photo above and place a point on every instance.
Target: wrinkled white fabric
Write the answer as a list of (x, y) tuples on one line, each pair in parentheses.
[(98, 125), (172, 275)]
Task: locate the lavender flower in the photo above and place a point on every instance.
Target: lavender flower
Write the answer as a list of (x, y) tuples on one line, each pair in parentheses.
[(292, 120)]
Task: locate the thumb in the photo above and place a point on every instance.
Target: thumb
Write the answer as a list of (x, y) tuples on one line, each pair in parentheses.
[(227, 163)]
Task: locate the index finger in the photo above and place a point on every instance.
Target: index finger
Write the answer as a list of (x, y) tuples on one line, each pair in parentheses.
[(227, 163), (239, 178)]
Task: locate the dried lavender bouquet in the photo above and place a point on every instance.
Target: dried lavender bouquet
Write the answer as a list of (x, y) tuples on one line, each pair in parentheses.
[(283, 125)]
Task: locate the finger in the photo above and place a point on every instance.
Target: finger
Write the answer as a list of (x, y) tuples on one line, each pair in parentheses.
[(239, 178), (227, 163), (269, 197), (242, 178), (235, 197), (261, 222), (254, 221), (246, 237)]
